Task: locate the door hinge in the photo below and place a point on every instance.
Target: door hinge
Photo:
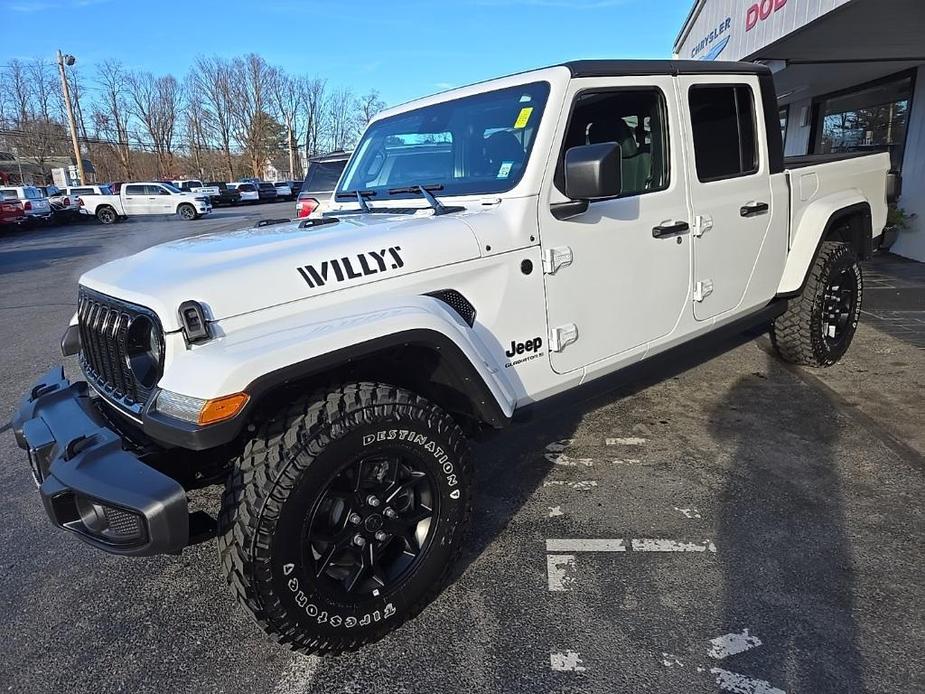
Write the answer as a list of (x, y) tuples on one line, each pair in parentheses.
[(702, 224), (554, 258), (703, 289), (562, 336)]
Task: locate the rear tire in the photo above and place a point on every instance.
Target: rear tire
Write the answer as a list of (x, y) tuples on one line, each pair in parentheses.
[(106, 215), (819, 324), (342, 517)]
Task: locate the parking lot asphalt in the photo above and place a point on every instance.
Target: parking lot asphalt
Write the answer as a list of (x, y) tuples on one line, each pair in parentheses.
[(724, 524)]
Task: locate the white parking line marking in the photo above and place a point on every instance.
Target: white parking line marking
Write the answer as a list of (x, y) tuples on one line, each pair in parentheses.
[(670, 660), (740, 684), (555, 511), (570, 661), (555, 455), (653, 545), (581, 485), (586, 545), (625, 441), (565, 461), (626, 461), (729, 644), (559, 446), (560, 569), (688, 512)]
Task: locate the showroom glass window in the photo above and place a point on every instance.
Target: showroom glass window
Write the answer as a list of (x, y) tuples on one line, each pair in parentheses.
[(870, 118)]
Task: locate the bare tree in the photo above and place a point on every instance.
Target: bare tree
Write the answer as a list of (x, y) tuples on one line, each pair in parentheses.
[(37, 132), (112, 112), (156, 103), (45, 89), (18, 89), (213, 78), (197, 124), (286, 96), (250, 117), (314, 99), (367, 106), (340, 120)]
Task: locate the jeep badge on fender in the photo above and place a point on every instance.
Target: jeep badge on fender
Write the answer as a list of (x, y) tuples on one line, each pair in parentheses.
[(528, 346), (339, 420)]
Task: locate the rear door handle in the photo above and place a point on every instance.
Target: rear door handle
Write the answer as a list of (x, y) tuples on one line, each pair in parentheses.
[(670, 229), (752, 209)]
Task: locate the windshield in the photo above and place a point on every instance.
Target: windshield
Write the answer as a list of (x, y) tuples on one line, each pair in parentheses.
[(470, 146), (172, 188)]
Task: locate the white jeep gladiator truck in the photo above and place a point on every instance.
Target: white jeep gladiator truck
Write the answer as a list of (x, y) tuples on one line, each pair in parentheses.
[(145, 199), (490, 248)]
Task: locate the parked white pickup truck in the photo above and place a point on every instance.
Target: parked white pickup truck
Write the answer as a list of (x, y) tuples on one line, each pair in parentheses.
[(493, 248), (144, 199)]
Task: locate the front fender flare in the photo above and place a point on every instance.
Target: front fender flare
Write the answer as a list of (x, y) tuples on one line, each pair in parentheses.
[(280, 350)]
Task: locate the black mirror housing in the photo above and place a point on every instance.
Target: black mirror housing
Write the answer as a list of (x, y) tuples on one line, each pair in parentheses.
[(593, 172)]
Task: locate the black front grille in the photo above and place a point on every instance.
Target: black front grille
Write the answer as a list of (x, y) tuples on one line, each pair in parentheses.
[(103, 323)]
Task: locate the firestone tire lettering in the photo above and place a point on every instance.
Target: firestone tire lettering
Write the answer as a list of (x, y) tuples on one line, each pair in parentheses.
[(280, 474)]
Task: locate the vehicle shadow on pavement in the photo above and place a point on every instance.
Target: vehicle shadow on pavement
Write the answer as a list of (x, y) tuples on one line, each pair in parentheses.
[(39, 258), (782, 530), (510, 467)]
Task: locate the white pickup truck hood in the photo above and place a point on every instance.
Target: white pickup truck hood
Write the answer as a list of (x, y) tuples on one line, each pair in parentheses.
[(237, 272)]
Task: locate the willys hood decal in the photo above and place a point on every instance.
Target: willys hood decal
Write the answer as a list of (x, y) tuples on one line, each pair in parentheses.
[(241, 271)]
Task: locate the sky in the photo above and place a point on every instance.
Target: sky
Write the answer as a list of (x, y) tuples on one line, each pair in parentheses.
[(403, 49)]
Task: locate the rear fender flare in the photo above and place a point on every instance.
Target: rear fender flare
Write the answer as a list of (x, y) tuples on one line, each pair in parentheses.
[(818, 222)]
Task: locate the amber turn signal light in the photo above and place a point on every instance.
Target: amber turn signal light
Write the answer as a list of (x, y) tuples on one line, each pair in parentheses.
[(220, 409)]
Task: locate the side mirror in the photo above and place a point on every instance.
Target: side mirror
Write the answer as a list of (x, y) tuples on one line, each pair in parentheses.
[(593, 171), (164, 191)]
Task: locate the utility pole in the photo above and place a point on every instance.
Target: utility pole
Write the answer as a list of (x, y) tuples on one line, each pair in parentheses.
[(66, 91)]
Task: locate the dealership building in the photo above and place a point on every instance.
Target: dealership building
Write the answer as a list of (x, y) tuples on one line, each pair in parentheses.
[(850, 76)]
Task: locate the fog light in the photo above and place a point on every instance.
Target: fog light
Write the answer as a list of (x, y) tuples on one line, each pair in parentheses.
[(109, 522)]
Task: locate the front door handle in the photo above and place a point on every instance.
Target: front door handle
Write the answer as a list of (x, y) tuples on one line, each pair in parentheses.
[(752, 209), (670, 229)]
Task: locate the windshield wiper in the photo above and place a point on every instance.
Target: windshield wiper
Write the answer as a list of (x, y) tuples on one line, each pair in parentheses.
[(360, 196), (438, 207)]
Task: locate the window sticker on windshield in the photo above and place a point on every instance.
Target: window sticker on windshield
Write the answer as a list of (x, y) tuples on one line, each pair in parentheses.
[(523, 117), (505, 169)]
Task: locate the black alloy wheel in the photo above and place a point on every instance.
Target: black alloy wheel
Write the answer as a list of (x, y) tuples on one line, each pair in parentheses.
[(344, 514), (371, 525), (839, 306)]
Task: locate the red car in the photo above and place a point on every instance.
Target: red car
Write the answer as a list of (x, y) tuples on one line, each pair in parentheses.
[(11, 214)]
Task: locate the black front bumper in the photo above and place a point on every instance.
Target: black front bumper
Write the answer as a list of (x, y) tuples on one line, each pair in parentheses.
[(89, 484)]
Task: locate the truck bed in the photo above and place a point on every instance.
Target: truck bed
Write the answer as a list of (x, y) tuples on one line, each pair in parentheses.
[(825, 185), (798, 162)]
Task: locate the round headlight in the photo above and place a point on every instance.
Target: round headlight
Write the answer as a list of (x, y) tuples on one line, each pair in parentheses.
[(144, 350)]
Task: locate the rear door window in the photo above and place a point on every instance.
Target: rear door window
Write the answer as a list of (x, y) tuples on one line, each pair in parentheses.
[(723, 127), (136, 190)]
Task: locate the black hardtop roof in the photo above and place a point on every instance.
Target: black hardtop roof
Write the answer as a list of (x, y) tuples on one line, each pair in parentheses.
[(617, 68)]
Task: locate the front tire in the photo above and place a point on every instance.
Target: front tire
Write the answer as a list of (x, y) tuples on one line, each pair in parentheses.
[(186, 212), (343, 516), (819, 324)]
